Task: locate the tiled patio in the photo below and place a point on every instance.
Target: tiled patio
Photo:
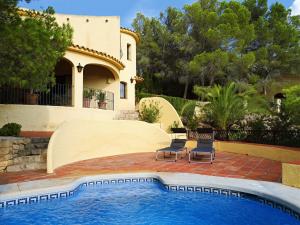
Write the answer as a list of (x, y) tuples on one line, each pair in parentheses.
[(225, 165)]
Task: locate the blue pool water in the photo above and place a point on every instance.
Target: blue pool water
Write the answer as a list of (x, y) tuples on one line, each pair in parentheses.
[(145, 203)]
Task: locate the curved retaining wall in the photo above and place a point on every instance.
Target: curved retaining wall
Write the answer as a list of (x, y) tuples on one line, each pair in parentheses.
[(167, 112), (79, 140), (48, 118)]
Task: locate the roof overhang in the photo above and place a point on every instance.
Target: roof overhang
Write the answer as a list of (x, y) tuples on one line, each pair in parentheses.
[(135, 35), (100, 55)]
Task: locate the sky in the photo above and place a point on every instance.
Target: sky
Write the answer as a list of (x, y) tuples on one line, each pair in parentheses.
[(126, 9)]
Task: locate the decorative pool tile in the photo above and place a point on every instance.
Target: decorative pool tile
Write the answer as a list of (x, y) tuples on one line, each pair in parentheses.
[(237, 194)]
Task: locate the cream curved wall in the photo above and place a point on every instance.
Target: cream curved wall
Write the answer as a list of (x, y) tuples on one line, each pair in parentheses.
[(168, 114), (86, 139), (128, 72), (48, 118)]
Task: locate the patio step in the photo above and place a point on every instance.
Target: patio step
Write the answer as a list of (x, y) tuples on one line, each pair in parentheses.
[(127, 115)]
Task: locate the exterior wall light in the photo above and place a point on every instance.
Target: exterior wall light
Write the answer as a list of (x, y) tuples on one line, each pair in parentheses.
[(137, 79), (79, 68)]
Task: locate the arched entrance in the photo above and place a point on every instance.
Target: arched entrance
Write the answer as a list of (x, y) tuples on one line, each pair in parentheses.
[(61, 93), (98, 87)]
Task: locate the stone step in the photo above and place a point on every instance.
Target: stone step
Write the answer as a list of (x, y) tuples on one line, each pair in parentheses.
[(38, 145), (40, 140), (30, 159), (28, 166), (127, 115)]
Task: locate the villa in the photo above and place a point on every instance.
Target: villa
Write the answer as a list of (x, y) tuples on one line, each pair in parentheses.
[(82, 142), (101, 60)]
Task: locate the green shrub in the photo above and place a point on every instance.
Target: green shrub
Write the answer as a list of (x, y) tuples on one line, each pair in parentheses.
[(176, 102), (11, 129), (193, 122), (188, 110), (150, 112)]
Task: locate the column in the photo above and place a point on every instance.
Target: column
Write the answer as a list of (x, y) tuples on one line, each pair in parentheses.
[(77, 88)]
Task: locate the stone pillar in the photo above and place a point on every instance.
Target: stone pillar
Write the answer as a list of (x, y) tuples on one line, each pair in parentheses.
[(77, 88)]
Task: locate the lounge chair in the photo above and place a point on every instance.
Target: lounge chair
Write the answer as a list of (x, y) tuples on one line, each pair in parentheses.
[(204, 145), (177, 147), (178, 133)]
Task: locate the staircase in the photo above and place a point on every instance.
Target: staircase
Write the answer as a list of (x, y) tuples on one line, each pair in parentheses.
[(33, 157), (127, 115)]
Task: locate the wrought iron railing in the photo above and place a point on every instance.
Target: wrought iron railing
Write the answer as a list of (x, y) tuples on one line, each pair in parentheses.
[(58, 95), (289, 138), (98, 99)]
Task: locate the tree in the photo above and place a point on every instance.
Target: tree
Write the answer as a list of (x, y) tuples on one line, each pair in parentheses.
[(209, 66), (244, 42), (277, 42), (292, 103), (30, 47), (225, 106), (165, 50)]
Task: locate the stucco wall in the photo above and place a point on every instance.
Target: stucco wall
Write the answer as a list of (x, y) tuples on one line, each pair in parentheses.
[(100, 33), (83, 139), (128, 72), (48, 118), (291, 174), (168, 114), (103, 33)]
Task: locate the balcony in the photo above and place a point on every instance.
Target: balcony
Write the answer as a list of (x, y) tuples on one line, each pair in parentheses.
[(98, 99), (58, 95)]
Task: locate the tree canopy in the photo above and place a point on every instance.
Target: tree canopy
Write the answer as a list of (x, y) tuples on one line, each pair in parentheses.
[(30, 46), (211, 42)]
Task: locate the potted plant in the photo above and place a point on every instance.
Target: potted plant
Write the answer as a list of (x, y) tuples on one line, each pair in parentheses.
[(100, 96), (87, 97), (32, 98)]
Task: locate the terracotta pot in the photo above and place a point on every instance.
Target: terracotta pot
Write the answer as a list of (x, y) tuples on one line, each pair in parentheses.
[(102, 105), (32, 99), (86, 102)]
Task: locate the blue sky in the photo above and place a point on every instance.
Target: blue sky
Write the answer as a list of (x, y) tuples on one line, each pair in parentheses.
[(126, 9)]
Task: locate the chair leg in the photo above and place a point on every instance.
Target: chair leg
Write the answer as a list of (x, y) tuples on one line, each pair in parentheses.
[(211, 158), (176, 156), (190, 157)]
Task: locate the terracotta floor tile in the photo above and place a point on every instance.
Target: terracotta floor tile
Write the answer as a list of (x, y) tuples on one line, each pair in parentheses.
[(225, 164)]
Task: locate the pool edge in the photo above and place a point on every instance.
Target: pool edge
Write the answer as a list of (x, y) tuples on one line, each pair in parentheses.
[(272, 192)]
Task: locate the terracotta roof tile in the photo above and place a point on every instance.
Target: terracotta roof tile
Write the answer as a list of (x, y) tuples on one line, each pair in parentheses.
[(98, 53)]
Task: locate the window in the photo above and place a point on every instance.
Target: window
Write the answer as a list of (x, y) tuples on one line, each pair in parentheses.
[(123, 87), (128, 51)]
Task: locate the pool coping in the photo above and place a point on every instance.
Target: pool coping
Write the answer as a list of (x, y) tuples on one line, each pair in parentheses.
[(278, 193)]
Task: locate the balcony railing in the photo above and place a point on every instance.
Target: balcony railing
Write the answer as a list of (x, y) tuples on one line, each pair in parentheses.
[(58, 95), (98, 99)]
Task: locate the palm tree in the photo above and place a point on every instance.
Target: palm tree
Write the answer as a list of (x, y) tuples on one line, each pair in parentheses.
[(226, 105)]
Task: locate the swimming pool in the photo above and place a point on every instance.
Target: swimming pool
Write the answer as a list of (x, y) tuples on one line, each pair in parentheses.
[(146, 201)]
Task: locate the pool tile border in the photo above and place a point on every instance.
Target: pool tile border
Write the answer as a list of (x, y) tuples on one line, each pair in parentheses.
[(188, 188), (227, 192)]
